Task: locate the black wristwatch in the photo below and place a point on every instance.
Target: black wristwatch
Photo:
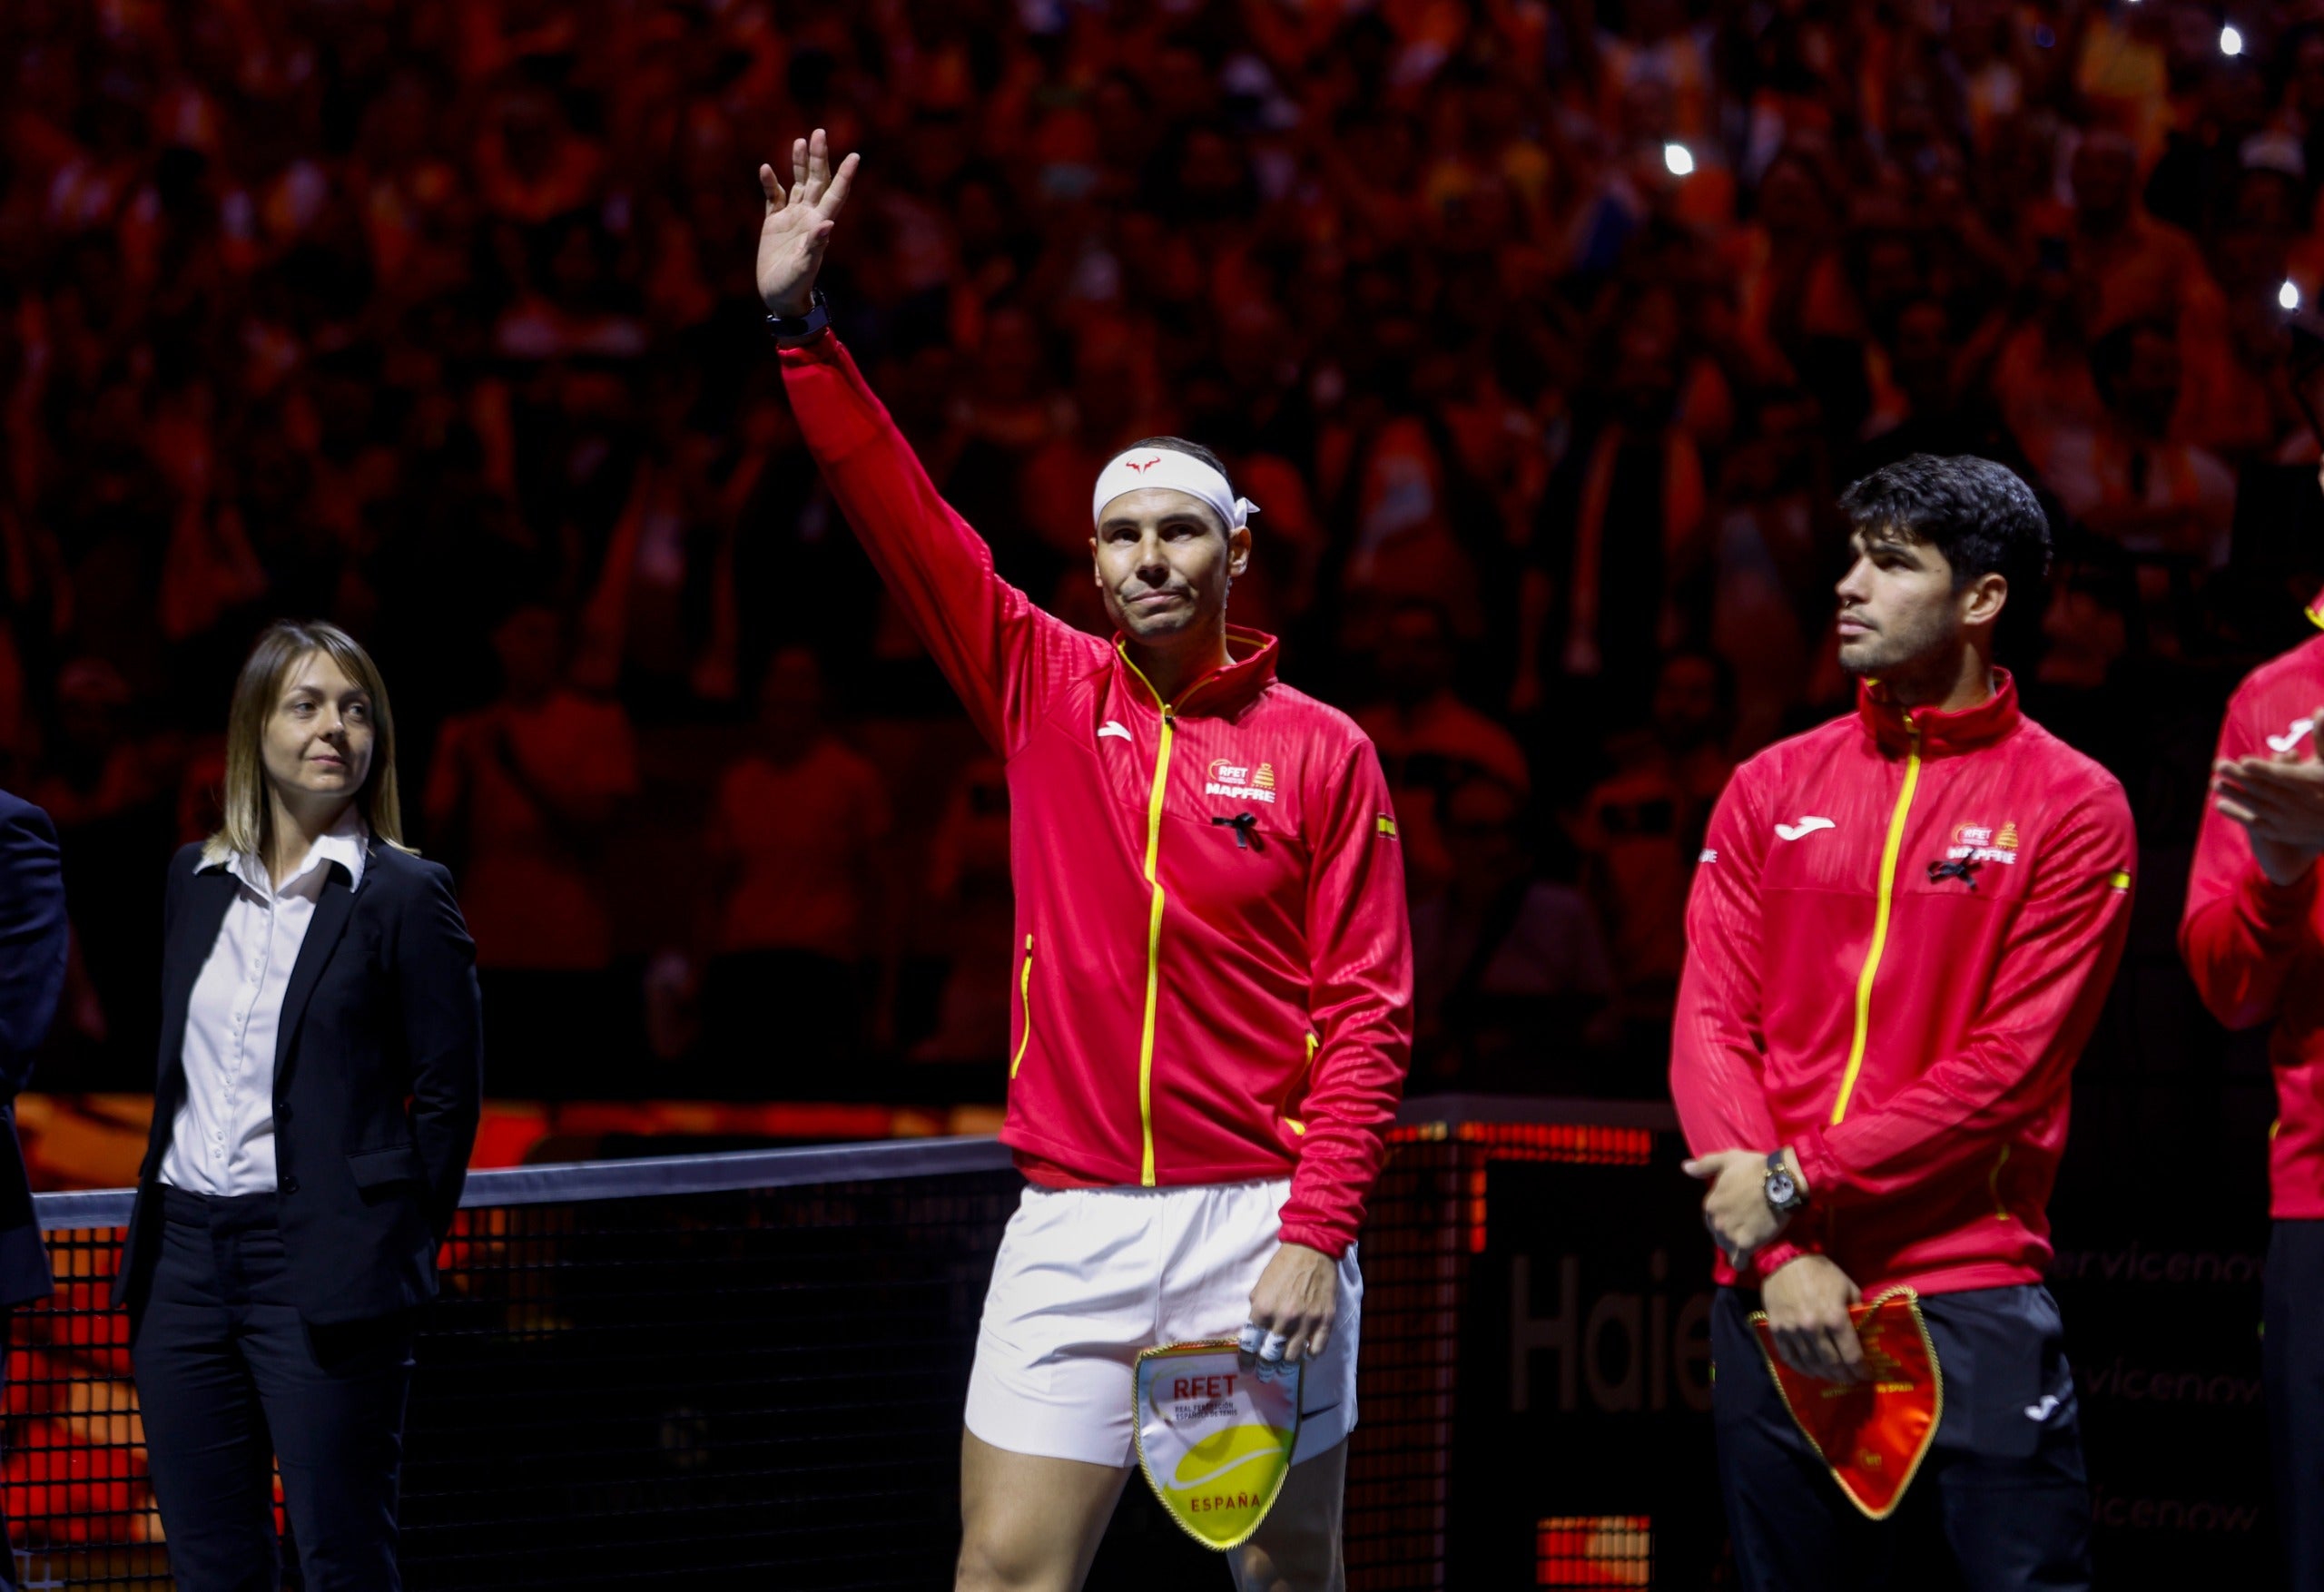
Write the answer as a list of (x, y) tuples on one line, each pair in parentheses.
[(788, 330), (1784, 1193)]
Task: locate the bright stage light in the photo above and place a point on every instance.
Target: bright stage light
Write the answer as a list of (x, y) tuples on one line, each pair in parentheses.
[(1677, 158), (2289, 295), (2230, 42)]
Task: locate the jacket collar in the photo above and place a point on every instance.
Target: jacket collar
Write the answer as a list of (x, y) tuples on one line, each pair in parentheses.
[(2316, 612), (1250, 664), (1940, 735), (347, 843)]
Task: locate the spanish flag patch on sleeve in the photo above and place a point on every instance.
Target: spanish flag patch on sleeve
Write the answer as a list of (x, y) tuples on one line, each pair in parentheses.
[(2120, 879), (1385, 825)]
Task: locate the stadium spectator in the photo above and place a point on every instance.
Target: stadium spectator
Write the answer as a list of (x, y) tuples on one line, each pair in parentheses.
[(1429, 742), (1508, 968), (1640, 829), (796, 828), (1569, 319), (525, 793)]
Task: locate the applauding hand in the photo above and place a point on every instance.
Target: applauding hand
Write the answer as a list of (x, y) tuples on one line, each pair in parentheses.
[(2279, 800)]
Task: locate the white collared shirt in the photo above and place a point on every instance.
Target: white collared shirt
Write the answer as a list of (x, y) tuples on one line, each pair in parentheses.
[(222, 1141)]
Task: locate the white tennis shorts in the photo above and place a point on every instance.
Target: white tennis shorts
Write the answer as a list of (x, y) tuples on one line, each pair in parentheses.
[(1088, 1277)]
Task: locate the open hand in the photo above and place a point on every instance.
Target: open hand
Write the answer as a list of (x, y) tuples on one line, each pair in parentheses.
[(1292, 1309), (1808, 1301), (799, 224)]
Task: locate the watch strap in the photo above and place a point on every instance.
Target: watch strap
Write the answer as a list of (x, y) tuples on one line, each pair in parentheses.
[(790, 330)]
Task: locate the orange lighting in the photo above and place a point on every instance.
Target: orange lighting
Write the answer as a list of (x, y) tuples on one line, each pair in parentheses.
[(1594, 1550), (1576, 1144), (1587, 1144)]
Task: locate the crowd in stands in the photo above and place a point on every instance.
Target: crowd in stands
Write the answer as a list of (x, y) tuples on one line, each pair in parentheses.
[(1544, 332)]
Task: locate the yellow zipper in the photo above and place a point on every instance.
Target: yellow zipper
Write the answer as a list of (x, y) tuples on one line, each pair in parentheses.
[(1154, 920), (1880, 922), (1993, 1184), (1025, 998), (1293, 1123)]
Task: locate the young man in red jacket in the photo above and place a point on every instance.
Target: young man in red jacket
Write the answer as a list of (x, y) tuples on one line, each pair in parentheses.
[(2253, 938), (1901, 931), (1212, 975)]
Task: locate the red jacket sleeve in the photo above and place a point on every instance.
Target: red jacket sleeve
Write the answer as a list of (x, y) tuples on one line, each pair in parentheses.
[(1359, 947), (1718, 1051), (2241, 930), (998, 650), (2055, 967)]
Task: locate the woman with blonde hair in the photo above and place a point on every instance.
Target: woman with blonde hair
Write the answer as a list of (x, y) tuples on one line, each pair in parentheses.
[(320, 1077)]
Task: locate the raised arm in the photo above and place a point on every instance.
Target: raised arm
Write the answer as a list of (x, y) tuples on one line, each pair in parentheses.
[(996, 648)]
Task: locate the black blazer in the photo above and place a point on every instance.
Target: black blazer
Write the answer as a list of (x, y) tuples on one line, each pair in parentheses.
[(33, 940), (379, 1078)]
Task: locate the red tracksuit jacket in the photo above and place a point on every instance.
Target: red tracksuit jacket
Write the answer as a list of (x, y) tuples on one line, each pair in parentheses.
[(1901, 931), (1197, 1000), (2256, 948)]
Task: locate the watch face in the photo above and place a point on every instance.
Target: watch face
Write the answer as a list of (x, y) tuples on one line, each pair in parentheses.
[(1780, 1188)]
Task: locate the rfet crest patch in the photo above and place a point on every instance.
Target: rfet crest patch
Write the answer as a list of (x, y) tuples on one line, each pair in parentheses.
[(1215, 1441)]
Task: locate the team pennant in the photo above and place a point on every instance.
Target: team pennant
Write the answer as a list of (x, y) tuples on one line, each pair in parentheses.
[(1215, 1441), (1873, 1435)]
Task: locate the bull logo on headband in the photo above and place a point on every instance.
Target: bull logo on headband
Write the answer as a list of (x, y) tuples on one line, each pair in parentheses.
[(1141, 468)]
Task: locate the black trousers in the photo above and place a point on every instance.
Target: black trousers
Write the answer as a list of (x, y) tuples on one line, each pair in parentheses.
[(2002, 1485), (2292, 1364), (231, 1380)]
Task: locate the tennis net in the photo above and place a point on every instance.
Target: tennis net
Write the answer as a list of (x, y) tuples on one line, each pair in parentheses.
[(746, 1369)]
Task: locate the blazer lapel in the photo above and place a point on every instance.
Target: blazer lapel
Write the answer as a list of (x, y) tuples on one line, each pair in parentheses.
[(332, 910), (201, 913), (207, 896)]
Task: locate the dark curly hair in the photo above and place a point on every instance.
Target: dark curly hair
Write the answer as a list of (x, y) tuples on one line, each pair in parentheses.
[(1978, 513)]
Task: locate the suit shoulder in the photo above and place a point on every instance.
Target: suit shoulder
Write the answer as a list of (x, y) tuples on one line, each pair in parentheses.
[(406, 873), (187, 859), (18, 814)]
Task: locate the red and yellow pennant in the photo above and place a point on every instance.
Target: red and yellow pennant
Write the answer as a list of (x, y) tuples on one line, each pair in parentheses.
[(1872, 1435)]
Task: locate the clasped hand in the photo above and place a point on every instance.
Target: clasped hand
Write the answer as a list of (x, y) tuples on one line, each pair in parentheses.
[(1735, 1206)]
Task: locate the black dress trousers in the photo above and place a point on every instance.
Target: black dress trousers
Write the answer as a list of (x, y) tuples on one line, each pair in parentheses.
[(230, 1376)]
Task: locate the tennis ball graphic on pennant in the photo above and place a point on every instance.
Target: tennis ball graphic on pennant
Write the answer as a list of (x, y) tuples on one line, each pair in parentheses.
[(1215, 1441)]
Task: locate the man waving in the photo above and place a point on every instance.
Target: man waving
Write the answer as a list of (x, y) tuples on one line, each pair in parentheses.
[(1213, 968)]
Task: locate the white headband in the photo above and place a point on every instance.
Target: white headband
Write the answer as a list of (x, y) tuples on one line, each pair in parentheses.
[(1180, 472)]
